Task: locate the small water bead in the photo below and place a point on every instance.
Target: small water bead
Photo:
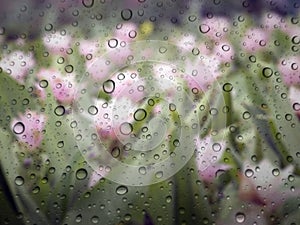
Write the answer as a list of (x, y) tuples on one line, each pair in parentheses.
[(43, 83), (126, 14), (95, 219), (59, 110), (249, 173), (93, 110), (216, 147), (227, 87), (109, 86), (88, 3), (246, 115), (126, 128), (116, 152), (240, 217), (142, 170), (121, 190), (267, 72), (113, 43), (172, 107), (204, 28), (81, 174), (78, 218), (159, 174), (19, 181), (140, 114), (19, 128), (275, 172)]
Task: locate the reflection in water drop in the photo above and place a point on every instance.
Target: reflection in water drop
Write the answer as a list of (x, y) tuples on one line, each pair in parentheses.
[(19, 181), (240, 217), (81, 174), (19, 128), (121, 190)]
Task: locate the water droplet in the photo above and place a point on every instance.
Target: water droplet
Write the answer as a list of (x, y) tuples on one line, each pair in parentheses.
[(88, 3), (296, 40), (159, 174), (19, 181), (249, 173), (169, 199), (81, 174), (240, 217), (225, 48), (142, 170), (59, 110), (132, 34), (151, 102), (216, 147), (95, 219), (162, 50), (246, 115), (176, 143), (275, 172), (60, 144), (204, 28), (78, 218), (69, 68), (196, 51), (93, 110), (121, 190), (126, 14), (36, 190), (227, 87), (112, 43), (140, 114), (172, 107), (267, 72), (43, 83), (115, 152), (19, 128), (126, 128), (109, 86)]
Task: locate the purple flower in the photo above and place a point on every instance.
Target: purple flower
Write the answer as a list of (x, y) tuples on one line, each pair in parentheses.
[(18, 64), (28, 129)]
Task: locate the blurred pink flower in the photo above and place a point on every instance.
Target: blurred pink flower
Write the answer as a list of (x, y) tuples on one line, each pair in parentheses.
[(272, 21), (202, 73), (255, 39), (224, 52), (63, 86), (215, 28), (128, 85), (28, 128), (294, 96), (126, 32), (290, 70), (18, 64), (208, 155), (186, 42), (57, 43), (264, 184)]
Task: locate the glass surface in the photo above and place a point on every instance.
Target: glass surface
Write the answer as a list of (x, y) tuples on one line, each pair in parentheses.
[(149, 112)]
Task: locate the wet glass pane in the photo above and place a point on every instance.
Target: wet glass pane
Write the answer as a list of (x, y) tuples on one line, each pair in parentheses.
[(149, 112)]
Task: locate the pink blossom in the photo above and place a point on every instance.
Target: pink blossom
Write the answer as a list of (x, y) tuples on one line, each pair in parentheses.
[(202, 73), (128, 85), (255, 39), (215, 28), (125, 32), (224, 52), (208, 155), (63, 86), (57, 43), (266, 184), (186, 42), (273, 21), (294, 96), (28, 129), (18, 64), (290, 71)]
